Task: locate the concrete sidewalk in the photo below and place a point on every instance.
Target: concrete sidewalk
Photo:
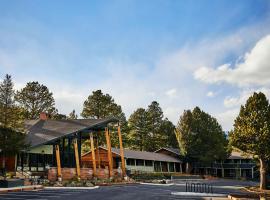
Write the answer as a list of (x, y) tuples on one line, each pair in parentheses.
[(21, 188)]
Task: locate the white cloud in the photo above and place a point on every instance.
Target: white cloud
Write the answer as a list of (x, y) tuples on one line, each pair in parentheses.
[(230, 101), (70, 75), (227, 118), (254, 70), (171, 93), (211, 94)]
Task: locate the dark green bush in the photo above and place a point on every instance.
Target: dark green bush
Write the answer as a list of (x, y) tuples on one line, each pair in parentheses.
[(150, 176)]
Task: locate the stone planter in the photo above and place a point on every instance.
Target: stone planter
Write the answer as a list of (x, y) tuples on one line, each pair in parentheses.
[(11, 183)]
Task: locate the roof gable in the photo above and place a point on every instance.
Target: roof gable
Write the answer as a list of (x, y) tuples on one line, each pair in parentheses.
[(171, 150)]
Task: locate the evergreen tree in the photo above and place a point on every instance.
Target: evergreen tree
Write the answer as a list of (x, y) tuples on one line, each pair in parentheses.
[(11, 121), (154, 121), (169, 138), (138, 134), (73, 115), (58, 116), (200, 137), (36, 98), (98, 106), (149, 131), (251, 132)]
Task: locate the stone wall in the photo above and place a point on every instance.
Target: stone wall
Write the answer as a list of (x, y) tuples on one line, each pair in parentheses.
[(70, 173)]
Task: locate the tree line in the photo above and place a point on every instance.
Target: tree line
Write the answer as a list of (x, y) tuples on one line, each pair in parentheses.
[(198, 135), (146, 129)]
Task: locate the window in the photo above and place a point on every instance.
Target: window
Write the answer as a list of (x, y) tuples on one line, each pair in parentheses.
[(171, 167), (130, 162), (149, 163), (157, 166), (140, 162)]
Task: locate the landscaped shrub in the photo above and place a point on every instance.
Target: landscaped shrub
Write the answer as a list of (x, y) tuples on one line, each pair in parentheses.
[(150, 176)]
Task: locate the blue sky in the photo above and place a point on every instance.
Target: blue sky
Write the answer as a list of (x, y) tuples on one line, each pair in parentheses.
[(180, 53)]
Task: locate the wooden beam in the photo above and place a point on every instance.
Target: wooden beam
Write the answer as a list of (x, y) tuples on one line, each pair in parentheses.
[(78, 168), (123, 164), (108, 140), (93, 154), (58, 162), (98, 151)]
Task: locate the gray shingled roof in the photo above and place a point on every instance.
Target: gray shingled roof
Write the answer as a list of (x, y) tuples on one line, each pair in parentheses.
[(43, 131), (145, 155), (173, 150)]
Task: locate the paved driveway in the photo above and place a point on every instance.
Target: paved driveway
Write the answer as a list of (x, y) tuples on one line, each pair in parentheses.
[(129, 192)]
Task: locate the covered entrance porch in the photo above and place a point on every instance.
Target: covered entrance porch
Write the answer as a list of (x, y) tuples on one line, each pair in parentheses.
[(56, 148)]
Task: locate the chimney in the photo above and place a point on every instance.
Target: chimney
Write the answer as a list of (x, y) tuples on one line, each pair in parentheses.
[(43, 116)]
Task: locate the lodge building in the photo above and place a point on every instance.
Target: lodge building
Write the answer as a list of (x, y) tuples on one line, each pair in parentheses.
[(136, 161), (56, 153), (237, 165)]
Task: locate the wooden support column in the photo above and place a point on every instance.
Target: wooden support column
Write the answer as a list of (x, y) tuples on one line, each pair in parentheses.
[(78, 168), (98, 151), (109, 147), (58, 162), (93, 154), (123, 166)]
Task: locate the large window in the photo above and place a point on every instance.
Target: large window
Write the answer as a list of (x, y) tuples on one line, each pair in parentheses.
[(139, 162), (157, 166), (171, 167), (149, 163), (130, 162)]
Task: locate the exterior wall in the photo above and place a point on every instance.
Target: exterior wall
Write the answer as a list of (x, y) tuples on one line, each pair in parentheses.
[(230, 168), (140, 168), (157, 167), (10, 163), (102, 155)]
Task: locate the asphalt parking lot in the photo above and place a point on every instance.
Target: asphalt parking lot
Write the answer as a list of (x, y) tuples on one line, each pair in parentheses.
[(135, 191)]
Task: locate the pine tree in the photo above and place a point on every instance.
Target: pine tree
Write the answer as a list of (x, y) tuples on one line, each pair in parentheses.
[(149, 131), (98, 106), (154, 120), (200, 137), (11, 121), (138, 133), (36, 98), (11, 115), (168, 131), (251, 132)]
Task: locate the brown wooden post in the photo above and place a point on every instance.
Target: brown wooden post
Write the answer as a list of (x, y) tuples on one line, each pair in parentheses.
[(98, 151), (78, 168), (93, 154), (123, 164), (108, 140), (58, 162)]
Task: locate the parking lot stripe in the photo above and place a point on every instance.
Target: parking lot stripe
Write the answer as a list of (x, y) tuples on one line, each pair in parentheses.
[(12, 198), (28, 195)]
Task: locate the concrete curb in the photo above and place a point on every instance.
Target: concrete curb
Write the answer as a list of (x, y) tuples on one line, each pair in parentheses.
[(158, 184), (22, 188), (194, 194), (73, 188), (240, 198)]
